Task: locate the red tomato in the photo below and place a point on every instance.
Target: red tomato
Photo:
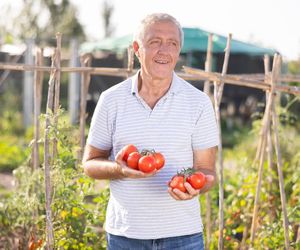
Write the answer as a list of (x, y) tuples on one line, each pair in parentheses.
[(177, 182), (159, 160), (31, 245), (197, 180), (133, 160), (127, 150), (147, 164), (39, 242)]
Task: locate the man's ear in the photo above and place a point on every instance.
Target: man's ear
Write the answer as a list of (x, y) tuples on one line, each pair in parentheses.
[(136, 47)]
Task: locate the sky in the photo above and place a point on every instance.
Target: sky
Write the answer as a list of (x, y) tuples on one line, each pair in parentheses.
[(268, 23)]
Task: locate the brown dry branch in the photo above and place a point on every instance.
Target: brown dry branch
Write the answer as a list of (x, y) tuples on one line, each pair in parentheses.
[(281, 181), (218, 92), (57, 63), (49, 112), (264, 131), (37, 88), (206, 89), (85, 82), (239, 81)]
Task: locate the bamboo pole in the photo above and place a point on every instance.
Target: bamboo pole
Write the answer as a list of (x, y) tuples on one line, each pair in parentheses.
[(269, 146), (57, 64), (206, 90), (218, 92), (281, 180), (236, 80), (208, 63), (49, 112), (265, 126), (130, 63), (37, 89), (85, 82), (190, 74)]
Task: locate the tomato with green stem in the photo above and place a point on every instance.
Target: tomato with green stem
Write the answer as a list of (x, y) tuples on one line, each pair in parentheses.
[(147, 163), (133, 160), (127, 150), (197, 180), (177, 182), (159, 160)]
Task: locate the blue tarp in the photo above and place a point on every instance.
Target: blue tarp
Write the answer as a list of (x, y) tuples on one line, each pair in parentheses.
[(195, 39)]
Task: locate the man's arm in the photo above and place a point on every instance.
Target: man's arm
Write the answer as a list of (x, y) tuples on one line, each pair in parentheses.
[(96, 165), (204, 161)]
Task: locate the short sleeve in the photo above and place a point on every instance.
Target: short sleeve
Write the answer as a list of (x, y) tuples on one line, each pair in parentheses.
[(100, 133), (205, 134)]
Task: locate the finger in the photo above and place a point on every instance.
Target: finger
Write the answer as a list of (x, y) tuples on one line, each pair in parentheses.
[(190, 189), (170, 191), (182, 195), (132, 173), (210, 178), (119, 156)]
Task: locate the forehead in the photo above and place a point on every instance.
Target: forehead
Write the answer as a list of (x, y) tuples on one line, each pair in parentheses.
[(164, 29)]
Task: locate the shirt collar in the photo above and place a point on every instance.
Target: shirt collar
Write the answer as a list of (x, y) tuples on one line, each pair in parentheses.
[(174, 89)]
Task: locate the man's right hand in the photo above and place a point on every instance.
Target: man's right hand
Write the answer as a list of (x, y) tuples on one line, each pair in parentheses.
[(127, 172)]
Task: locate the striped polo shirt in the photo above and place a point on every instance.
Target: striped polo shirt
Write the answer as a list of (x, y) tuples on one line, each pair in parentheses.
[(181, 121)]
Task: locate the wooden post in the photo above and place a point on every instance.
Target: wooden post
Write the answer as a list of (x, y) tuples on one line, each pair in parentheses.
[(206, 90), (48, 191), (279, 169), (208, 64), (263, 141), (28, 86), (38, 85), (56, 90), (218, 92), (130, 63), (86, 77), (74, 85), (269, 145)]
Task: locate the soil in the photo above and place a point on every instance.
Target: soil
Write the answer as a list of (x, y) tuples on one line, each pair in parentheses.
[(7, 181)]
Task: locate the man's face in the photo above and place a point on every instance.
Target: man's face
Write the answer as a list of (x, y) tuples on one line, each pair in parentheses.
[(158, 52)]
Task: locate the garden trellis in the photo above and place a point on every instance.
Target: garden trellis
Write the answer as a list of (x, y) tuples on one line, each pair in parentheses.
[(267, 82)]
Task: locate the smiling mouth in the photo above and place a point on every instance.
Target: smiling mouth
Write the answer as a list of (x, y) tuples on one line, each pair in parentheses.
[(161, 61)]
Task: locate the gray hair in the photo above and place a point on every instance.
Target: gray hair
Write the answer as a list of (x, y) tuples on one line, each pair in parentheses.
[(154, 18)]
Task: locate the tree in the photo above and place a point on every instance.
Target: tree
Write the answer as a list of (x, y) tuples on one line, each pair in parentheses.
[(42, 19), (107, 14)]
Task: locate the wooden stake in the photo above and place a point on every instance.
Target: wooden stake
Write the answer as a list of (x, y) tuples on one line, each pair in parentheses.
[(208, 64), (218, 92), (281, 180), (85, 82), (37, 89), (56, 90), (206, 90), (130, 64), (49, 112), (239, 81), (265, 126)]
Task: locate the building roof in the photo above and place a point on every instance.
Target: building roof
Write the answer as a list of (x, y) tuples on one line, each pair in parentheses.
[(195, 39)]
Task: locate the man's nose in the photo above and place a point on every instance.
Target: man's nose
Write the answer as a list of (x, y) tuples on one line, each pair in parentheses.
[(164, 47)]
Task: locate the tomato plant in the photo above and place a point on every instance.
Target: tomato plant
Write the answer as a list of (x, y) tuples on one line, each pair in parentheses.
[(130, 148)]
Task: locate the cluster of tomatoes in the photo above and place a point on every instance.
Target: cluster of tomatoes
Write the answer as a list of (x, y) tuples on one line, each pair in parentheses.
[(196, 179), (146, 161), (34, 244)]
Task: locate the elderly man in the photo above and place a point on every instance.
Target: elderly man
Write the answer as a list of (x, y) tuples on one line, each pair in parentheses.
[(153, 109)]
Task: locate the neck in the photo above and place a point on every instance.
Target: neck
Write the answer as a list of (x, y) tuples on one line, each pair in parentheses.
[(151, 90)]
